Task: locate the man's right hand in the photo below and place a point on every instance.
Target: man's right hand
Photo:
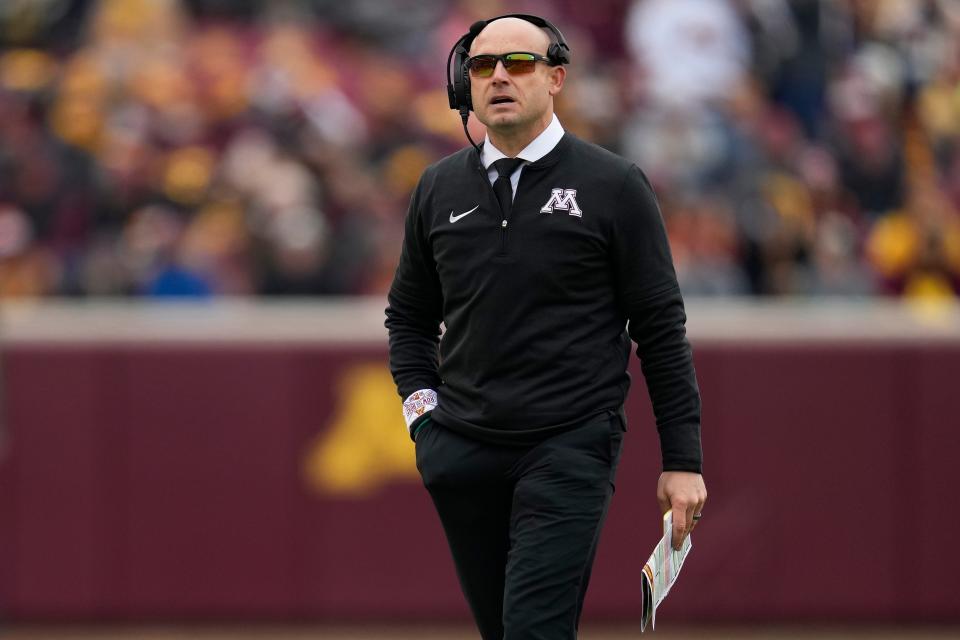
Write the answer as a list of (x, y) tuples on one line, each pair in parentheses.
[(685, 493)]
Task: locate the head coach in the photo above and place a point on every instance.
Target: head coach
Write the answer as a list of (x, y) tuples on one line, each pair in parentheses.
[(543, 256)]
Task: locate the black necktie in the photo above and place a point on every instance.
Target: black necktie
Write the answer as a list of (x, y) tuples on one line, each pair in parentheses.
[(501, 186)]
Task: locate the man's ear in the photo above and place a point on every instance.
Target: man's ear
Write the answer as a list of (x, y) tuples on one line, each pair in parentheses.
[(557, 75)]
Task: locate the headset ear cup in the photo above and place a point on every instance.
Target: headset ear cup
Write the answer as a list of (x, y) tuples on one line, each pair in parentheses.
[(464, 99), (461, 86), (557, 54), (452, 96), (553, 53)]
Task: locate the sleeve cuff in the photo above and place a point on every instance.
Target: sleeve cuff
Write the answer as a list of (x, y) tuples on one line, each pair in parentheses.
[(680, 448), (418, 404), (692, 466)]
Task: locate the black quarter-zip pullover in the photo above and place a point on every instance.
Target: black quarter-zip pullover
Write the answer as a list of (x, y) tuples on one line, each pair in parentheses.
[(540, 307)]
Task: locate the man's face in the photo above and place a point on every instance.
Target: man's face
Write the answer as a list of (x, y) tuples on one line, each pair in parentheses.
[(505, 101)]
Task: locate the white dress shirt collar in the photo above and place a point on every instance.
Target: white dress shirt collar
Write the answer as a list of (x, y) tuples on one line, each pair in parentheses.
[(538, 147)]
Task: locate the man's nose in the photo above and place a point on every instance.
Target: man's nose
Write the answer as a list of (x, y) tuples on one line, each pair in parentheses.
[(500, 72)]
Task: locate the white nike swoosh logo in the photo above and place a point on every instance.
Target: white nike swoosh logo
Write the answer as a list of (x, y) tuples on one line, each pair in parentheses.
[(454, 218)]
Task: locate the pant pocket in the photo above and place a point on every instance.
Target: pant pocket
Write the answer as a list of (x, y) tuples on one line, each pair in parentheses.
[(425, 434)]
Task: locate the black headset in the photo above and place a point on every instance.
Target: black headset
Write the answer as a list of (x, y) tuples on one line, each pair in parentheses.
[(458, 82)]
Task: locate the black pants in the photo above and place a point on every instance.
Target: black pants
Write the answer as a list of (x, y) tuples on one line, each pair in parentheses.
[(523, 522)]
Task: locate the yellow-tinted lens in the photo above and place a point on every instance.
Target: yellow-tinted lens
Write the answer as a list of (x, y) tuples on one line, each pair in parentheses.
[(519, 62), (482, 66)]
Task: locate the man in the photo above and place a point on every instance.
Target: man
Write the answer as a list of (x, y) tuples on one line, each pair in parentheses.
[(535, 254)]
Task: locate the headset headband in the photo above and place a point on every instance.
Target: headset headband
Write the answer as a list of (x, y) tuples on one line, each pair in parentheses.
[(458, 82)]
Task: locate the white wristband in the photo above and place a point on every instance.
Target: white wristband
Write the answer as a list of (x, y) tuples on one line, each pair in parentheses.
[(418, 404)]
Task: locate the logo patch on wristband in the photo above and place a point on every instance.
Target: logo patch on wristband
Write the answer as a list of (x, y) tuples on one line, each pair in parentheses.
[(418, 404)]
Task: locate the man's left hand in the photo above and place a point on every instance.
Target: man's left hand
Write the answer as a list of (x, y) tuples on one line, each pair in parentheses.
[(685, 493)]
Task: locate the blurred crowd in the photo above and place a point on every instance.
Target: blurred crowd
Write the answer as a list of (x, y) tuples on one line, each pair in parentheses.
[(207, 147)]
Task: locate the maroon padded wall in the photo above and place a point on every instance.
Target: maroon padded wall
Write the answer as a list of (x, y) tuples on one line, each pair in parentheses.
[(168, 482)]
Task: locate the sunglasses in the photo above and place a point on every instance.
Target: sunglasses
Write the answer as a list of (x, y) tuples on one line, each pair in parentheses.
[(483, 65)]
